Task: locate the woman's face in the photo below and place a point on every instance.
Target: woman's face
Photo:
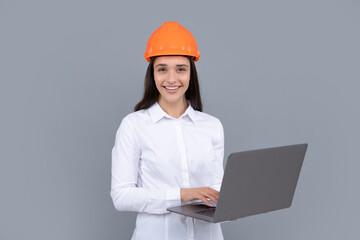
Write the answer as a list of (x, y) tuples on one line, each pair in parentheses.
[(172, 72)]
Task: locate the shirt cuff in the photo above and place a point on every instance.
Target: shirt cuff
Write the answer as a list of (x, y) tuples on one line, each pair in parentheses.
[(173, 194), (173, 197)]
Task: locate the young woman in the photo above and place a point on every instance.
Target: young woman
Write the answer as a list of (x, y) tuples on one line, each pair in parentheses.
[(168, 152)]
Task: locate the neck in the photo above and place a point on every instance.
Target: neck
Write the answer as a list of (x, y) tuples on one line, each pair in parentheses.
[(174, 109)]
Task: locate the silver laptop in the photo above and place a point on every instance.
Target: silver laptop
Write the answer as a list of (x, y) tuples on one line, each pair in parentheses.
[(254, 182)]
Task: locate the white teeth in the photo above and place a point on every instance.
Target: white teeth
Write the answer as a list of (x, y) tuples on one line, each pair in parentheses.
[(171, 88)]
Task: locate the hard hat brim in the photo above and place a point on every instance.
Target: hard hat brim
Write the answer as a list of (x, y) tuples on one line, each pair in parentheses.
[(196, 58)]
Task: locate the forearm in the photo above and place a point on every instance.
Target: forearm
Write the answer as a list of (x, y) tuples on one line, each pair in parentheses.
[(152, 201)]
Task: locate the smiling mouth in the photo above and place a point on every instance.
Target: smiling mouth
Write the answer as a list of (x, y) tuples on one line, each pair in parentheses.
[(172, 88)]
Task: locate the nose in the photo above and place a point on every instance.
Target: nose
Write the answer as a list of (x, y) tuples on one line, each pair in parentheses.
[(172, 76)]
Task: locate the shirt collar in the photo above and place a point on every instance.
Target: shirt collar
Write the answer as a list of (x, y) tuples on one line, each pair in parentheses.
[(157, 113)]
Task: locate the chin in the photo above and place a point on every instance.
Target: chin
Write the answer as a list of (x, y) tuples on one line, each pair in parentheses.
[(172, 99)]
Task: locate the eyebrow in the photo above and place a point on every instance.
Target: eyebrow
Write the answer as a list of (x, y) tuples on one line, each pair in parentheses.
[(164, 65)]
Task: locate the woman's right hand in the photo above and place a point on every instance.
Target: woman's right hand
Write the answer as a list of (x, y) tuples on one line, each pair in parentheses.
[(202, 193)]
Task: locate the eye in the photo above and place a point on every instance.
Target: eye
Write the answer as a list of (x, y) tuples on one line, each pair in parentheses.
[(182, 69), (162, 69)]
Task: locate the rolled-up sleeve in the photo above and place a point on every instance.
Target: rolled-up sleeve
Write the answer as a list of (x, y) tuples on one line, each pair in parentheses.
[(218, 145), (125, 193)]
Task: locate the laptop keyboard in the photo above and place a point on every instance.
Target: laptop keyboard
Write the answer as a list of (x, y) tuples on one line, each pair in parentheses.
[(207, 212)]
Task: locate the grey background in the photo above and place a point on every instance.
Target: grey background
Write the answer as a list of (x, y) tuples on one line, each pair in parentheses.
[(274, 72)]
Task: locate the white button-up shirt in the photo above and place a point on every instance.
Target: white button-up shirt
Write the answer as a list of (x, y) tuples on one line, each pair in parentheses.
[(153, 157)]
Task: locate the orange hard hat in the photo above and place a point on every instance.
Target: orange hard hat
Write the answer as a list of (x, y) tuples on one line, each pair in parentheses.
[(171, 39)]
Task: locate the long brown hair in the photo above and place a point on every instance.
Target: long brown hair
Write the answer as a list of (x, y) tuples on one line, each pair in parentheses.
[(151, 93)]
